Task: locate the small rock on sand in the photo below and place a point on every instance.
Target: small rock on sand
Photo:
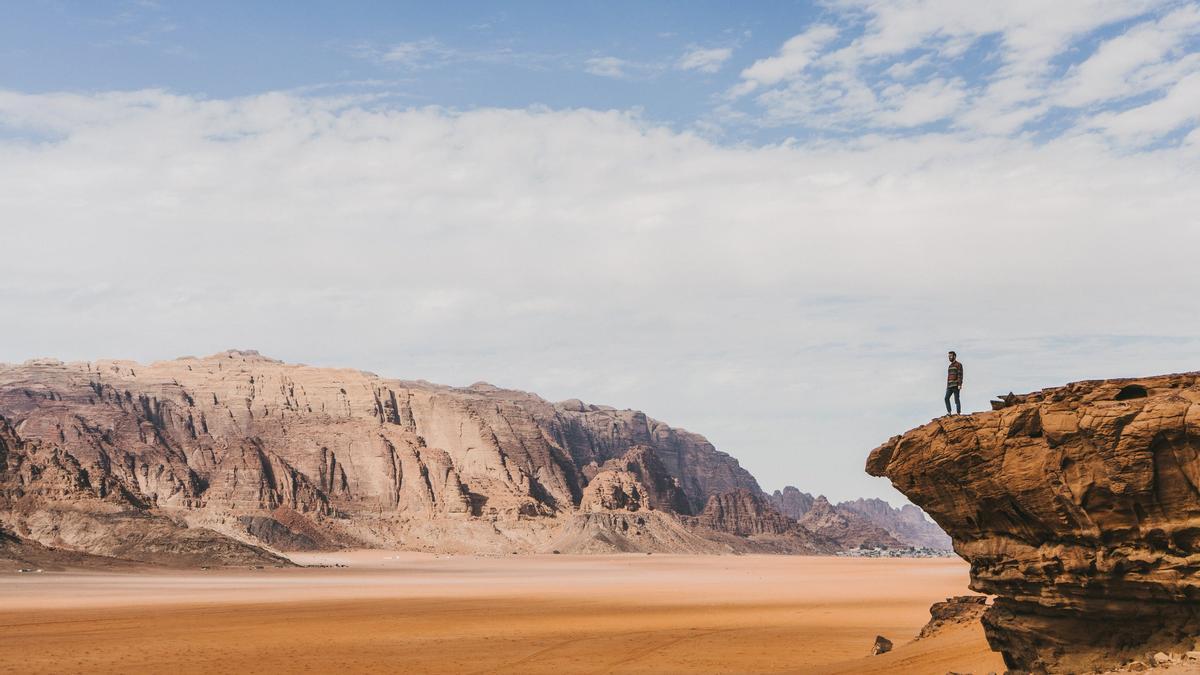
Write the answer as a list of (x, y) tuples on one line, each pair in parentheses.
[(882, 646)]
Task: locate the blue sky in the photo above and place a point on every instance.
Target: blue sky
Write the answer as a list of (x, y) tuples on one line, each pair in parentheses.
[(764, 222), (462, 55), (762, 73)]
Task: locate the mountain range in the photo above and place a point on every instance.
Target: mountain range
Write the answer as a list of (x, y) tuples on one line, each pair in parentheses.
[(235, 457)]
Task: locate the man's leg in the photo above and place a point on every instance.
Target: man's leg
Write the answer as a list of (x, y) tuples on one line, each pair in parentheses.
[(957, 403), (949, 390)]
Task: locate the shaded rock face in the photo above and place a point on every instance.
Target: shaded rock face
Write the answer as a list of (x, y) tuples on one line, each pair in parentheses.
[(746, 521), (50, 501), (293, 456), (662, 490), (744, 513), (846, 529), (615, 490), (1079, 507)]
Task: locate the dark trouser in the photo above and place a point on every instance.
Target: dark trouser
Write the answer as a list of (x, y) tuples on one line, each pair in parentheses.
[(957, 404)]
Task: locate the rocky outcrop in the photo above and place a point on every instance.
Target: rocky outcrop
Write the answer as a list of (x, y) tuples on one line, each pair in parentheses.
[(791, 502), (959, 609), (56, 506), (746, 521), (615, 490), (290, 456), (660, 489), (907, 524), (744, 513), (1078, 507), (846, 529)]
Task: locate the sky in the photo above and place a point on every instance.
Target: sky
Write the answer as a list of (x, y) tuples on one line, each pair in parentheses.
[(763, 222)]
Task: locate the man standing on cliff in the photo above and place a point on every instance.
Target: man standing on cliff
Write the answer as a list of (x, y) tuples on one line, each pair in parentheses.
[(954, 381)]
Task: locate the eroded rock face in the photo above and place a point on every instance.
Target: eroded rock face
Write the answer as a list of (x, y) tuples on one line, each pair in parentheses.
[(294, 456), (49, 501), (1079, 507), (615, 490), (791, 502), (638, 480), (744, 513), (846, 528), (906, 524)]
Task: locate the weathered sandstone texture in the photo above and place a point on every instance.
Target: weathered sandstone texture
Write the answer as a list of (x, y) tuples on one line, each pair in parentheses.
[(1079, 508), (53, 501), (201, 454)]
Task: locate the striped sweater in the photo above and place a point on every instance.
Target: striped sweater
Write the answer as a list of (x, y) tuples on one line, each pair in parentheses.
[(954, 377)]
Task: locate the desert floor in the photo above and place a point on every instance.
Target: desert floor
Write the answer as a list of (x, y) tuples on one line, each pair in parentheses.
[(405, 612)]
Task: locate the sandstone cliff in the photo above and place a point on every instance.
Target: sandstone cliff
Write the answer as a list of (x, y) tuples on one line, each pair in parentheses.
[(46, 496), (1079, 508), (292, 456)]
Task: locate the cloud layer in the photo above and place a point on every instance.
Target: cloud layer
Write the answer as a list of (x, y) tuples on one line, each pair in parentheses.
[(792, 302), (1122, 68)]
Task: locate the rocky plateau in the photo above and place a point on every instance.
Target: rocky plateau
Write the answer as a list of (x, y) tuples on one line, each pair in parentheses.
[(1078, 508)]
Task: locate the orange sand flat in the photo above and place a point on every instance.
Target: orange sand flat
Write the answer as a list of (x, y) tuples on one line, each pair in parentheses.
[(391, 613)]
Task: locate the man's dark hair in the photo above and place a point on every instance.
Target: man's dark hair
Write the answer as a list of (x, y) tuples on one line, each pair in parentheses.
[(954, 352)]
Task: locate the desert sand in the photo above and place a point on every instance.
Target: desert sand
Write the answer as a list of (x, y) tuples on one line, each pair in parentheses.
[(406, 612)]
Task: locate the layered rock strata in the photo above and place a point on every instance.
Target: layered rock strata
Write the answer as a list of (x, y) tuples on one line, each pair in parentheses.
[(291, 457), (1078, 507), (57, 508)]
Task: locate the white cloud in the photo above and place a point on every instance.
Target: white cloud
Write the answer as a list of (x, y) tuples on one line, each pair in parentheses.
[(414, 54), (910, 106), (1180, 106), (1123, 66), (989, 68), (607, 66), (793, 57), (428, 53), (704, 60), (592, 254)]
